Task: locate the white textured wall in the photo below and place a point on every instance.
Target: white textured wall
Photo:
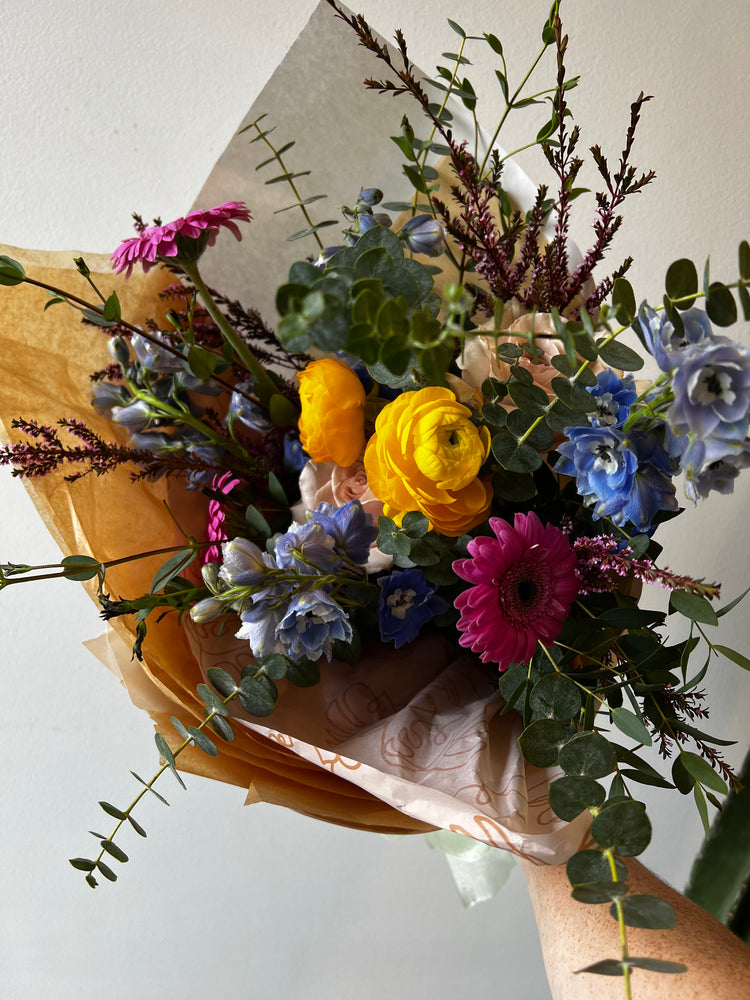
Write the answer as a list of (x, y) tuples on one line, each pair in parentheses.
[(111, 107)]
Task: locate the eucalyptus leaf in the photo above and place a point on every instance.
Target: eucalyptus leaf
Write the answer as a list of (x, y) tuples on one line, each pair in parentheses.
[(556, 696), (113, 811), (541, 741), (203, 742), (114, 851), (106, 871), (570, 795), (702, 771), (593, 866), (599, 892), (632, 725), (623, 827), (255, 697), (83, 864), (692, 606), (648, 912), (224, 683), (588, 754), (163, 748), (618, 355)]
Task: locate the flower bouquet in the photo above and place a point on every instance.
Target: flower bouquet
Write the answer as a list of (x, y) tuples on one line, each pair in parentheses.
[(385, 561)]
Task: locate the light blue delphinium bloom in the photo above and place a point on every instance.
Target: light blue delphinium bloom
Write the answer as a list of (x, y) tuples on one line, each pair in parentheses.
[(243, 563), (622, 479), (135, 416), (249, 413), (307, 549), (108, 396), (407, 602), (713, 465), (152, 357), (312, 623), (614, 397), (351, 527), (664, 342), (711, 386), (260, 622), (423, 234)]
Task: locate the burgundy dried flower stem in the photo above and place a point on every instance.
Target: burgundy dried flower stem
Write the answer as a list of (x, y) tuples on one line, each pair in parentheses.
[(601, 554)]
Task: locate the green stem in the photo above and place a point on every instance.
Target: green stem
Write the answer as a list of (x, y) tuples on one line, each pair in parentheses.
[(264, 384), (610, 856)]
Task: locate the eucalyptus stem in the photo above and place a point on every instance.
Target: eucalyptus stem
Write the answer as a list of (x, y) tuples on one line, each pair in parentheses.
[(264, 384), (609, 854)]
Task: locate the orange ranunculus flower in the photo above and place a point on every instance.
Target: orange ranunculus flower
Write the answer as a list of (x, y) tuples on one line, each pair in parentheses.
[(332, 422), (425, 455)]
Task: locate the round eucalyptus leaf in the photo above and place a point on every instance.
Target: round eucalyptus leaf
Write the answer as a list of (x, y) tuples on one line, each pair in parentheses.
[(255, 697), (541, 741), (592, 866), (588, 754), (570, 795), (555, 696), (649, 912), (720, 305), (607, 967), (224, 683), (599, 892), (681, 280), (624, 827)]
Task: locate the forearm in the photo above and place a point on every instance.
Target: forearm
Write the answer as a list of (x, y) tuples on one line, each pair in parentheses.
[(574, 935)]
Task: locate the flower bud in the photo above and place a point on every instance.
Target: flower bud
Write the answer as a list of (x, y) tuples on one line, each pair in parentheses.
[(423, 234), (206, 610), (370, 197), (118, 348), (210, 574)]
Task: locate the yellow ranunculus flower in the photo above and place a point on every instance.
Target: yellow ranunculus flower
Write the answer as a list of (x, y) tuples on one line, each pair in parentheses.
[(332, 422), (425, 455)]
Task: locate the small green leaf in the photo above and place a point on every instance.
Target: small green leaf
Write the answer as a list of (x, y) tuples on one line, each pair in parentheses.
[(570, 795), (221, 727), (257, 521), (163, 748), (513, 456), (606, 967), (692, 606), (80, 568), (303, 673), (255, 697), (137, 827), (203, 742), (618, 355), (224, 683), (91, 881), (623, 301), (113, 811), (599, 892), (115, 851), (657, 965), (83, 864), (457, 28), (211, 700), (180, 728), (700, 802), (624, 827), (720, 305), (276, 490), (632, 725), (274, 665), (541, 741), (172, 568), (555, 696), (731, 654), (702, 771), (152, 790), (592, 866), (106, 871), (648, 912), (588, 754), (682, 280)]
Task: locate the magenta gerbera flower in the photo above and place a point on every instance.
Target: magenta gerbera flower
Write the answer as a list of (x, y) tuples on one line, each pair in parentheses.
[(524, 582), (185, 236)]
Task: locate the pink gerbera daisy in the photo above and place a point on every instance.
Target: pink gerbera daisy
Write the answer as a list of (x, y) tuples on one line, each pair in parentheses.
[(187, 237), (524, 582)]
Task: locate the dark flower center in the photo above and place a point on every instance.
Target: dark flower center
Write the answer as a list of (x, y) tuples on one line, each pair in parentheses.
[(524, 592)]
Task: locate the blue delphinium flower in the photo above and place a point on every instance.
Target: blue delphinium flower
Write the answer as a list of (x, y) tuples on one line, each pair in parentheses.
[(625, 479), (312, 622), (243, 564), (351, 527), (711, 386), (108, 396), (423, 234), (407, 602), (152, 357), (614, 397), (307, 549), (135, 416), (664, 342), (713, 465), (248, 412), (295, 458), (261, 617)]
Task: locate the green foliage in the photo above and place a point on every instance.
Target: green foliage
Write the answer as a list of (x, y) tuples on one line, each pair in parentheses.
[(371, 301)]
